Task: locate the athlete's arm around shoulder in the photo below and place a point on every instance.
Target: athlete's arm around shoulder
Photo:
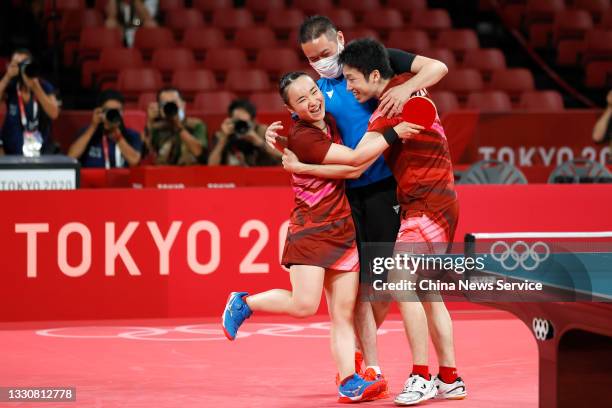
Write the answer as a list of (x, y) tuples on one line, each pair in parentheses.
[(427, 72)]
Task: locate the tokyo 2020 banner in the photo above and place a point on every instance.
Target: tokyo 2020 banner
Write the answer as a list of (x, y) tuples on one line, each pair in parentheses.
[(91, 254)]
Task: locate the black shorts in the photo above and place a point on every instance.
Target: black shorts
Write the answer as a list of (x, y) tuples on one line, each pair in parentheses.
[(376, 217)]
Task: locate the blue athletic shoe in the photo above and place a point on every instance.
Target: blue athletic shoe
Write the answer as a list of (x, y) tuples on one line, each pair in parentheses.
[(357, 389), (235, 313)]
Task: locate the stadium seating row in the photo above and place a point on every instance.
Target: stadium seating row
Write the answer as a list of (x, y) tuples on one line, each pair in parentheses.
[(216, 102)]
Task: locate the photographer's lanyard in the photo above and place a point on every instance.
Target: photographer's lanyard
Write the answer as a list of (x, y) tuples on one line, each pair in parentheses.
[(106, 152), (22, 111)]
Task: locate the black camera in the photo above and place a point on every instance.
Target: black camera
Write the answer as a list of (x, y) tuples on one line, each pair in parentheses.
[(170, 109), (241, 127), (113, 116), (29, 68)]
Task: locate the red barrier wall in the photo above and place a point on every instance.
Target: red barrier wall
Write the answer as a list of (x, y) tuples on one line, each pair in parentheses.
[(91, 254)]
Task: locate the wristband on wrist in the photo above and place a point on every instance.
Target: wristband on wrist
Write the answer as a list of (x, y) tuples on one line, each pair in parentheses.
[(390, 136)]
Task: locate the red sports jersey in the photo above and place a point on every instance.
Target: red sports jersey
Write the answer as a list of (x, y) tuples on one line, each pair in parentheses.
[(422, 168), (321, 230), (316, 199)]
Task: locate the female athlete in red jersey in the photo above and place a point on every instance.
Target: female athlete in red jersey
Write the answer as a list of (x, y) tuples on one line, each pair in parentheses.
[(321, 250)]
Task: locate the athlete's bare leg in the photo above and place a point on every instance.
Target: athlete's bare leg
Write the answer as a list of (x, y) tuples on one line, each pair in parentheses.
[(441, 330), (341, 290), (302, 301), (365, 329)]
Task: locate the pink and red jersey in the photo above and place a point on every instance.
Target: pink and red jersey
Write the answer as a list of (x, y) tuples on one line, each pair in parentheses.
[(316, 199), (321, 230)]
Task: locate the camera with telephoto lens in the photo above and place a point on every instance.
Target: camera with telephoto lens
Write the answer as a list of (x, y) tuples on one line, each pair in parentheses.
[(113, 116), (29, 68), (241, 127), (170, 109)]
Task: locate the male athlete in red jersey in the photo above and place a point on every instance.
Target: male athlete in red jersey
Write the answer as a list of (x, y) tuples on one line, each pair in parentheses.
[(422, 167)]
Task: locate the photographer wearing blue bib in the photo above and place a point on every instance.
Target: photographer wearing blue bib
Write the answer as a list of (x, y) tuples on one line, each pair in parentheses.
[(31, 106), (106, 142)]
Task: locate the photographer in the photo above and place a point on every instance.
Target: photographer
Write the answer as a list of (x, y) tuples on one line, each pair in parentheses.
[(31, 106), (106, 142), (130, 15), (241, 140), (171, 137), (602, 132)]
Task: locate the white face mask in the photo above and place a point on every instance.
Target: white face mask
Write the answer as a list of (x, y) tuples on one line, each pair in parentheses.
[(329, 67)]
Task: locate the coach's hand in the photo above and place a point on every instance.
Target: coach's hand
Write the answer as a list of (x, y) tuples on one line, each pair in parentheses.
[(291, 163), (392, 102), (272, 132), (405, 130)]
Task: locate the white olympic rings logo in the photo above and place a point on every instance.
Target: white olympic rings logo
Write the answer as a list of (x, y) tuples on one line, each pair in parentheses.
[(542, 329), (199, 332), (520, 254)]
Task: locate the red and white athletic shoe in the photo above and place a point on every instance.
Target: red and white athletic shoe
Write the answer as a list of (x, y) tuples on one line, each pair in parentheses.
[(370, 375)]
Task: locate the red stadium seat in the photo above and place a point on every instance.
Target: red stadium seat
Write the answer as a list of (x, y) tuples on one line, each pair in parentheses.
[(362, 7), (442, 54), (458, 41), (148, 39), (193, 81), (221, 60), (231, 19), (168, 60), (415, 41), (598, 44), (606, 21), (543, 11), (277, 61), (547, 101), (513, 14), (384, 20), (445, 101), (214, 103), (94, 39), (253, 39), (599, 74), (486, 60), (313, 7), (145, 99), (356, 33), (203, 39), (514, 81), (268, 102), (540, 35), (134, 81), (112, 60), (73, 22), (259, 8), (208, 7), (342, 18), (461, 81), (246, 81), (431, 20), (570, 52), (168, 5), (489, 101), (179, 20), (407, 7), (283, 21), (571, 24), (596, 7), (64, 5)]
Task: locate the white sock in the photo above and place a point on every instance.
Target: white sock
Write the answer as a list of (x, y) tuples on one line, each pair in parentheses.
[(376, 369)]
